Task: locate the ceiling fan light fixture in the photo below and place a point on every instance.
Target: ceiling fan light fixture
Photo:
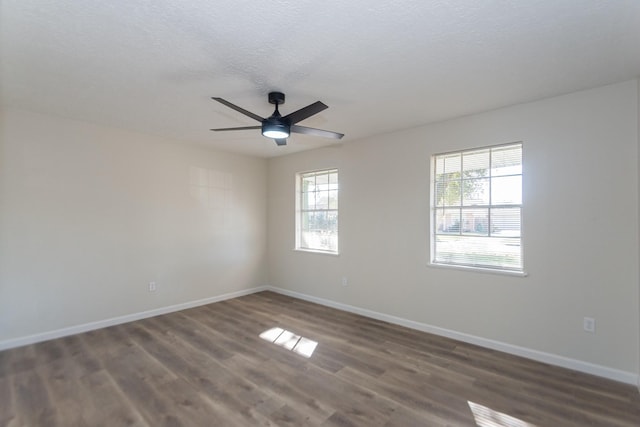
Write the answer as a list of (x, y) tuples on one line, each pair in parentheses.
[(275, 130)]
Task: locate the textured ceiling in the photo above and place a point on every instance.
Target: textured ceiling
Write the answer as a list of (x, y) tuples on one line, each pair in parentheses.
[(152, 65)]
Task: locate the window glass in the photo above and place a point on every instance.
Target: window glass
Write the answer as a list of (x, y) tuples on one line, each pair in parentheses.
[(477, 208), (317, 211)]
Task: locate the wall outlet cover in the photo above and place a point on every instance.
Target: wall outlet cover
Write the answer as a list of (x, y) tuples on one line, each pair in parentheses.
[(589, 324)]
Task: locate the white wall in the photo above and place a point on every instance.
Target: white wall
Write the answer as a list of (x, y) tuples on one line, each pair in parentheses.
[(580, 229), (90, 215)]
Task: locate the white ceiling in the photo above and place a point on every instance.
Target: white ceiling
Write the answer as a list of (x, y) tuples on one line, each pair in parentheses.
[(152, 65)]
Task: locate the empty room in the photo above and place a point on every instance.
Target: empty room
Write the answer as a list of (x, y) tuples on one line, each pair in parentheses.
[(305, 213)]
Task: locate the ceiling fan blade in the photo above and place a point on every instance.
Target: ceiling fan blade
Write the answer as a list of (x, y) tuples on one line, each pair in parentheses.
[(240, 128), (238, 109), (303, 113), (281, 142), (316, 132)]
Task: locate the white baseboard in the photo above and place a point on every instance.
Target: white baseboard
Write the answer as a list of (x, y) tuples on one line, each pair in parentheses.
[(72, 330), (552, 359)]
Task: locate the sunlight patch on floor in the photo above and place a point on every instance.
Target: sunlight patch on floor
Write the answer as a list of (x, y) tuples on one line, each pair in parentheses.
[(287, 339), (487, 417)]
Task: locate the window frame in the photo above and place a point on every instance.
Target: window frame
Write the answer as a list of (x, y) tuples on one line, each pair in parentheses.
[(461, 206), (300, 210)]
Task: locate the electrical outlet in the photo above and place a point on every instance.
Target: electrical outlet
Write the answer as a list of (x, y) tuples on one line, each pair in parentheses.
[(589, 324), (345, 282), (152, 286)]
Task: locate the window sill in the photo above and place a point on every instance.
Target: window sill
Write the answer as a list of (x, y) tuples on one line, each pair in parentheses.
[(479, 269), (313, 251)]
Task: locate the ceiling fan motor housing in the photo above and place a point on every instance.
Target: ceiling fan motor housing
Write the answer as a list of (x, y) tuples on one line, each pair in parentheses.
[(276, 127)]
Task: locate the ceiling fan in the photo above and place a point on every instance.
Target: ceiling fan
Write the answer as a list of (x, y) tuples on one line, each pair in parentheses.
[(278, 127)]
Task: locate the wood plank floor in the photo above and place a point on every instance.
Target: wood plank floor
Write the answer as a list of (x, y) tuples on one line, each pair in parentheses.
[(208, 366)]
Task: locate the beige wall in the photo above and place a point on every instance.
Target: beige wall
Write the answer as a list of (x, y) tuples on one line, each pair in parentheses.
[(580, 229), (90, 215)]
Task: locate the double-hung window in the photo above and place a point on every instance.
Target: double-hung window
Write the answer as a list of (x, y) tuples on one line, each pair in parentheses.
[(477, 208), (317, 211)]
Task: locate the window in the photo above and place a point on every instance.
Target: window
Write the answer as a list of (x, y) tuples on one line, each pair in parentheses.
[(477, 208), (317, 211)]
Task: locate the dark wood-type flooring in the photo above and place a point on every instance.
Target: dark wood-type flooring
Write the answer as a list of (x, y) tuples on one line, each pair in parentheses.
[(208, 366)]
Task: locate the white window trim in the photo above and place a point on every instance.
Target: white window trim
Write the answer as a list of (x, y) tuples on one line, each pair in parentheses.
[(498, 271), (432, 226), (298, 214), (317, 251)]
